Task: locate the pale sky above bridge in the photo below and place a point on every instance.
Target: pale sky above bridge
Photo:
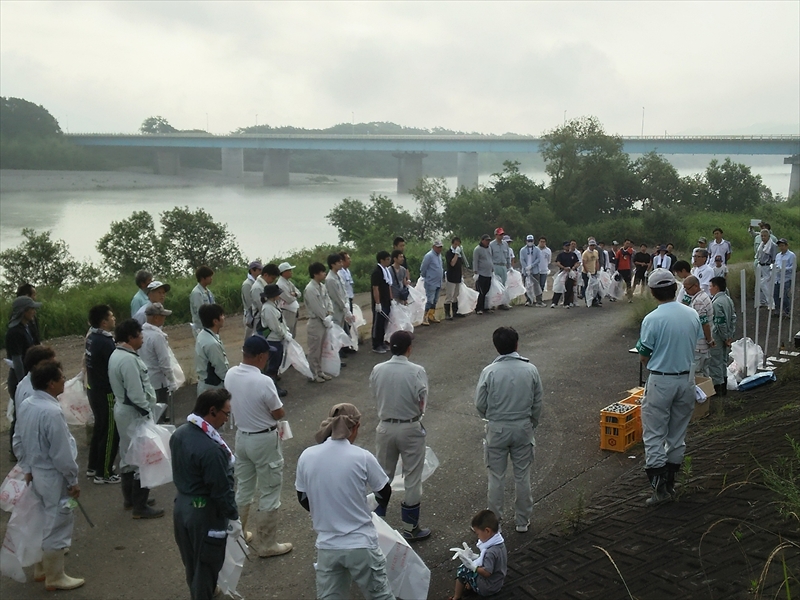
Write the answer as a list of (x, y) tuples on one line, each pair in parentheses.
[(695, 67)]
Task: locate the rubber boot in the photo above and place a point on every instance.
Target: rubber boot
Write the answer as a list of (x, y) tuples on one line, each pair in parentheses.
[(432, 316), (244, 514), (381, 511), (412, 532), (457, 314), (658, 481), (281, 392), (266, 532), (447, 314), (672, 470), (127, 490), (425, 318), (141, 506), (38, 572), (55, 578)]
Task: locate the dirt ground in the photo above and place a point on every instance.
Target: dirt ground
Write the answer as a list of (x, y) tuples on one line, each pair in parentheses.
[(582, 355)]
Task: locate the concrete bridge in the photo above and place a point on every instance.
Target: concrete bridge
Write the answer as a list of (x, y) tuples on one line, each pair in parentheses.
[(411, 149)]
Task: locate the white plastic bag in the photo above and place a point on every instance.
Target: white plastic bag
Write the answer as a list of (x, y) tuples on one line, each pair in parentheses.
[(359, 321), (532, 287), (236, 550), (75, 403), (149, 450), (335, 338), (560, 282), (592, 290), (177, 371), (416, 301), (399, 320), (755, 357), (293, 356), (616, 289), (497, 295), (22, 545), (604, 278), (514, 286), (431, 464), (12, 488), (467, 299), (408, 575)]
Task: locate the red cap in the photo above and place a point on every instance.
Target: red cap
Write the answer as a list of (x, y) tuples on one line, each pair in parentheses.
[(499, 231)]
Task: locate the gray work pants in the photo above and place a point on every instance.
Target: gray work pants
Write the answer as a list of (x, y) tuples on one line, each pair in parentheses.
[(718, 367), (290, 318), (259, 466), (51, 488), (406, 440), (337, 568), (202, 555), (316, 336), (667, 407), (701, 363), (513, 439)]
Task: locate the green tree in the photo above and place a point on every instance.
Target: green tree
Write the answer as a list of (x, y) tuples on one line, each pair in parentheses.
[(130, 245), (660, 182), (21, 118), (371, 226), (514, 188), (190, 239), (730, 187), (431, 195), (42, 261), (156, 124)]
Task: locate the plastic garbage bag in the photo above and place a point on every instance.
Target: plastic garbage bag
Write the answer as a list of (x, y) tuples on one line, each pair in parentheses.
[(592, 289), (22, 545), (616, 290), (514, 286), (399, 320), (560, 282), (416, 301), (755, 356), (431, 464), (748, 383), (605, 280), (177, 371), (75, 403), (358, 322), (408, 575), (467, 299), (497, 295), (532, 288), (236, 551), (12, 488), (335, 338), (149, 450), (293, 356)]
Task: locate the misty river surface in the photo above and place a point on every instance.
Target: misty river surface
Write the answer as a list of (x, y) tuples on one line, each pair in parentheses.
[(267, 222)]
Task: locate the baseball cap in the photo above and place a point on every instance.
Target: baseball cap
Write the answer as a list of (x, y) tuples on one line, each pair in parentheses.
[(530, 238), (156, 308), (702, 239), (592, 242), (499, 231), (507, 238), (154, 285), (486, 236), (783, 241), (255, 265), (255, 345), (660, 278), (437, 243), (285, 266), (615, 243)]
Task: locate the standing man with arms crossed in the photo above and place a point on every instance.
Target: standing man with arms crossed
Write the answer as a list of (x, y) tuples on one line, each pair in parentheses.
[(289, 296), (431, 272), (455, 263), (254, 270), (259, 457), (509, 396), (482, 265), (320, 319), (400, 388), (331, 481), (666, 344)]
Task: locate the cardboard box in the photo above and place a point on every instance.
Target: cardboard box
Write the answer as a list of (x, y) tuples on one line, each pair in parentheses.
[(702, 409)]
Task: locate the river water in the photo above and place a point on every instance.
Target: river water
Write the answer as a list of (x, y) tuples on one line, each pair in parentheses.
[(267, 222)]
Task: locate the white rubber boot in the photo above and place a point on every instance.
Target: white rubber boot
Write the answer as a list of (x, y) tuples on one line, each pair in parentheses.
[(244, 514), (55, 578), (266, 533)]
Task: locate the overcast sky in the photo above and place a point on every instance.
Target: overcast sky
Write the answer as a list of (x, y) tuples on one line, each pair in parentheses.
[(695, 67)]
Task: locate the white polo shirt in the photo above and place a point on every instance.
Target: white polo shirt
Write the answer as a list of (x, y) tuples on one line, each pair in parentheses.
[(253, 398), (704, 274), (335, 476)]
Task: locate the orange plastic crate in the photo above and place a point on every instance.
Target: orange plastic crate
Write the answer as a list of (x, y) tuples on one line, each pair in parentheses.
[(620, 426)]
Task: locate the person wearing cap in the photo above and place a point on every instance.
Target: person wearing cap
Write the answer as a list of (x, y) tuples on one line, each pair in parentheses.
[(400, 389), (156, 294), (134, 399), (257, 408), (455, 261), (661, 260), (701, 245), (289, 297), (511, 256), (765, 257), (723, 329), (272, 327), (719, 266), (210, 359), (249, 317), (431, 271), (509, 396), (20, 336), (719, 247), (701, 269), (380, 283), (612, 257), (98, 349), (320, 319), (624, 262), (542, 268), (330, 482), (156, 354), (700, 301), (269, 274), (200, 295), (785, 263), (143, 279), (667, 341), (568, 263), (501, 258), (590, 261), (529, 258), (482, 265)]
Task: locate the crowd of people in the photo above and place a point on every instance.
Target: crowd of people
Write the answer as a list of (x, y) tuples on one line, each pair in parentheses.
[(130, 368)]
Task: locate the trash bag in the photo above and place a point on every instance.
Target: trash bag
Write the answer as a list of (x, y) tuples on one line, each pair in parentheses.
[(22, 545), (399, 320), (149, 450), (408, 575), (431, 464), (514, 286), (532, 288), (592, 289), (12, 488), (335, 338), (293, 356), (605, 283), (75, 403), (560, 282), (236, 551), (748, 383), (177, 371), (616, 290), (359, 321), (467, 299), (497, 295), (755, 357), (416, 301)]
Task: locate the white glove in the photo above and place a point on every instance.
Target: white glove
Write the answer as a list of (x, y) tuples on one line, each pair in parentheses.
[(469, 563), (288, 337), (328, 322), (466, 555), (350, 318), (459, 251), (235, 528)]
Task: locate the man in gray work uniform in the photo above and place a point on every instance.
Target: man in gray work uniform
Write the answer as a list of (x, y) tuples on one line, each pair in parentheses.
[(482, 265), (400, 388), (501, 258), (509, 396)]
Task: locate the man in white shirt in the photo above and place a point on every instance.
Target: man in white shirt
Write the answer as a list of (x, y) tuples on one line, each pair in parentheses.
[(253, 271), (719, 247), (543, 268), (156, 293), (701, 269), (259, 462), (785, 264), (529, 257)]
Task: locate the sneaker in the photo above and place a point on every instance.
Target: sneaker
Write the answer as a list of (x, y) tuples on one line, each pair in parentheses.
[(478, 312), (90, 473), (568, 306), (522, 528), (541, 304), (552, 306), (103, 480), (528, 303), (318, 379), (325, 376), (379, 350)]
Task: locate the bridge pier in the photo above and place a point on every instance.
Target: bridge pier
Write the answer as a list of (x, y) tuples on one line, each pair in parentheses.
[(467, 170), (168, 162), (409, 170), (233, 162), (794, 178), (276, 168)]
